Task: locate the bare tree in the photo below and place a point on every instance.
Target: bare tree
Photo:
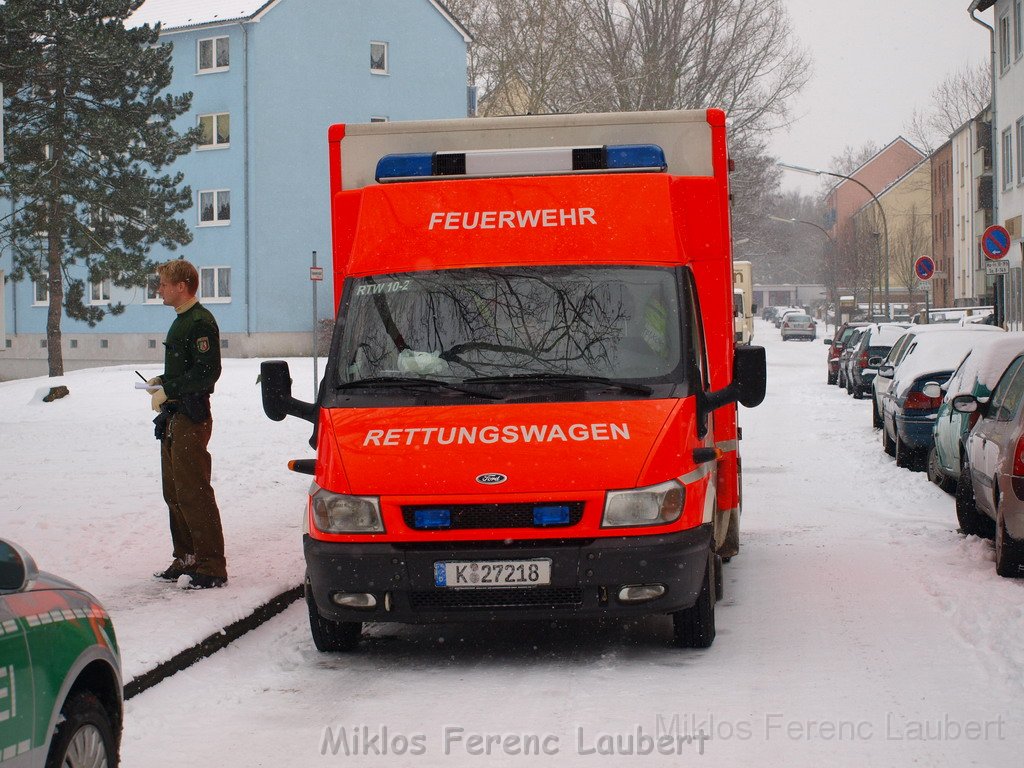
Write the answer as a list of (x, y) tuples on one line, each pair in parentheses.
[(910, 239), (961, 95)]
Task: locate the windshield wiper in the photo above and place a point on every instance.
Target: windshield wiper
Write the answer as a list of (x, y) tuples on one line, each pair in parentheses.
[(563, 378), (404, 382)]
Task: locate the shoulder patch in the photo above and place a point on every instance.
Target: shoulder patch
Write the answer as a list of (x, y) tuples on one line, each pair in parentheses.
[(203, 344)]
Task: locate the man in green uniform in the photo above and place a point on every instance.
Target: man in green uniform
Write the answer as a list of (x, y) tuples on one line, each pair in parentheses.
[(181, 395)]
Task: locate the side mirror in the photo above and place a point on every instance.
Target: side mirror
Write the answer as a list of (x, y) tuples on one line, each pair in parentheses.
[(17, 568), (749, 380), (828, 342), (276, 383), (886, 371), (931, 389), (874, 362), (965, 404)]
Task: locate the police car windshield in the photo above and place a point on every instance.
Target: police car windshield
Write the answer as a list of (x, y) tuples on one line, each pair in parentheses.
[(618, 323)]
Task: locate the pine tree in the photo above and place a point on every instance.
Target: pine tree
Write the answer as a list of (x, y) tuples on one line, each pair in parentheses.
[(88, 131)]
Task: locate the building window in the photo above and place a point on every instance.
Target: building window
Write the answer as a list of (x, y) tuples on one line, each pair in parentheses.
[(379, 58), (215, 131), (1020, 150), (104, 343), (40, 294), (214, 207), (1004, 43), (152, 343), (152, 297), (215, 284), (213, 55), (1018, 37), (74, 343), (99, 292), (378, 119), (223, 343), (1007, 147)]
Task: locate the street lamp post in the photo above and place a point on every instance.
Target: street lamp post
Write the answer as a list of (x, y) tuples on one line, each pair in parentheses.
[(885, 224)]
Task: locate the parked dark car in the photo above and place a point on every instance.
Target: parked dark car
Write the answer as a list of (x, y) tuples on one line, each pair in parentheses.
[(870, 350), (60, 691), (844, 356), (977, 376), (990, 493), (908, 414), (835, 346)]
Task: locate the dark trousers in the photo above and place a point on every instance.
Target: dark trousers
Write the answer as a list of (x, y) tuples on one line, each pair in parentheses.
[(195, 520)]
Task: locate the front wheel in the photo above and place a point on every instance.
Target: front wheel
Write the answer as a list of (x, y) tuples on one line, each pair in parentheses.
[(888, 444), (876, 417), (330, 636), (935, 473), (84, 737), (694, 627), (1009, 552)]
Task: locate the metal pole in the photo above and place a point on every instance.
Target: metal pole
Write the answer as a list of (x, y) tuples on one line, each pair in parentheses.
[(316, 378)]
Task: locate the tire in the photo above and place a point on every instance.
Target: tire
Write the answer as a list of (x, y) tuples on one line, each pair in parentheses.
[(331, 636), (842, 379), (876, 418), (1009, 552), (84, 737), (908, 458), (888, 444), (935, 473), (849, 387), (831, 379), (972, 522), (694, 627)]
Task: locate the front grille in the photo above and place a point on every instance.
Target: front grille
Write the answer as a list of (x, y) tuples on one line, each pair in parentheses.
[(511, 597), (469, 516)]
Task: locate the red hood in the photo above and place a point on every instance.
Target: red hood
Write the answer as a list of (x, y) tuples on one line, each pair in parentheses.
[(444, 449)]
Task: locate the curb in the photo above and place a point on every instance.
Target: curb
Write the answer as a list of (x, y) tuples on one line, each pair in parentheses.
[(210, 645)]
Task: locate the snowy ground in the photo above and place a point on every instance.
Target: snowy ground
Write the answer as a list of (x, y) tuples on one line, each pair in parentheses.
[(858, 627)]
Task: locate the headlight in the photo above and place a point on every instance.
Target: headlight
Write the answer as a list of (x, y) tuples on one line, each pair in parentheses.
[(335, 513), (654, 505)]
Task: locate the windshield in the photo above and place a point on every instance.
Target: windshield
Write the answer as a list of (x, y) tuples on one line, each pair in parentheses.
[(522, 325)]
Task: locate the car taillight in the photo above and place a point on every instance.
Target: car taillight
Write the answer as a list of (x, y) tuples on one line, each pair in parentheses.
[(919, 401), (972, 419), (862, 359), (1017, 481)]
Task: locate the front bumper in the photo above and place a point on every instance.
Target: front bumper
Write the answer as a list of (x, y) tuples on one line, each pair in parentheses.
[(586, 576)]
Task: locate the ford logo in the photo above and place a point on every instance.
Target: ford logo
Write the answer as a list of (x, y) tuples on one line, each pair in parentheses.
[(491, 478)]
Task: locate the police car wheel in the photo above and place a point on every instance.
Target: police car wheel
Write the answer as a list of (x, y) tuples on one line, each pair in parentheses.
[(331, 636), (694, 627), (84, 738)]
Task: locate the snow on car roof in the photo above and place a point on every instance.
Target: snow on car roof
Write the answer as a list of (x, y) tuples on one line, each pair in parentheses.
[(941, 349), (986, 363), (885, 334)]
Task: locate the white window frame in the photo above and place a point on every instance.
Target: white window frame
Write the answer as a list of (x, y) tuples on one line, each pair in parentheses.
[(1018, 30), (216, 298), (387, 63), (1005, 56), (1019, 130), (216, 221), (215, 119), (201, 70), (1006, 147), (99, 293), (154, 280), (36, 300)]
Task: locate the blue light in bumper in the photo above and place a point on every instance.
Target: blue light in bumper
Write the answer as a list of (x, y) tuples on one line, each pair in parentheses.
[(433, 518), (555, 515)]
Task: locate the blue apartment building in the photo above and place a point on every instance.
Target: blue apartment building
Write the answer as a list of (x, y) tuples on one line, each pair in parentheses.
[(268, 77)]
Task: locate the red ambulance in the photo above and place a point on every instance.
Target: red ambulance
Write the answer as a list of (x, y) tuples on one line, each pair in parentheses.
[(529, 407)]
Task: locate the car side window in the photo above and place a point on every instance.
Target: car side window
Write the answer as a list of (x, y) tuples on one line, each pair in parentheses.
[(1007, 396), (897, 349)]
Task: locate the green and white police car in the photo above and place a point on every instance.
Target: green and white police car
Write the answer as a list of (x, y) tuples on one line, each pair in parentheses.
[(61, 699)]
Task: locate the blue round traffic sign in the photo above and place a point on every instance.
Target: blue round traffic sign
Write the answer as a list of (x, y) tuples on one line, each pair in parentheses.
[(924, 267), (995, 242)]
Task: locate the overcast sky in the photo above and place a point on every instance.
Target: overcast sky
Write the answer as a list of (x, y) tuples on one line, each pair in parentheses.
[(874, 61)]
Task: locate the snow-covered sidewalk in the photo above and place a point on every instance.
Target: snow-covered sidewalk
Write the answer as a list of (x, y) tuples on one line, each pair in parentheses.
[(82, 494)]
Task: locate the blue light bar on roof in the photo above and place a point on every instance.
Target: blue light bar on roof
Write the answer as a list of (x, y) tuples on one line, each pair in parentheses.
[(539, 161)]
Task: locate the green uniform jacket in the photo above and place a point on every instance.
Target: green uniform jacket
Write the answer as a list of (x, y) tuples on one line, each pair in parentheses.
[(192, 354)]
